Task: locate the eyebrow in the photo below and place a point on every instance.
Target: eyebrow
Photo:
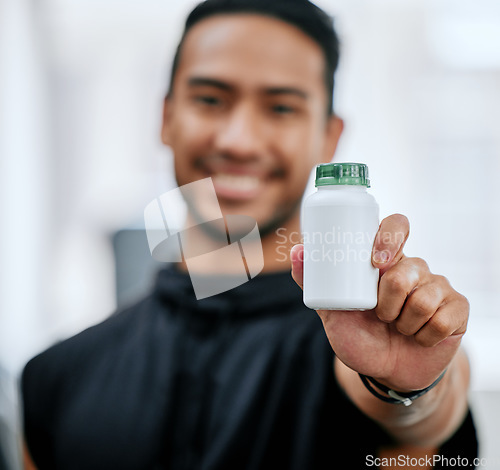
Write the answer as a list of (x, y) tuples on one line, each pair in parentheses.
[(287, 91), (202, 81), (271, 91)]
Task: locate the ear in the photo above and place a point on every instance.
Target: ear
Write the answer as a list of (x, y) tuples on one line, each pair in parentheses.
[(167, 121), (333, 130)]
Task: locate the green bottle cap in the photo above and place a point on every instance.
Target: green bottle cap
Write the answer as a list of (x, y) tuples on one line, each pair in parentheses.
[(342, 173)]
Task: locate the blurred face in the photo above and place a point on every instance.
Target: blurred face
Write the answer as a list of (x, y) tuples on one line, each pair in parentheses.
[(248, 110)]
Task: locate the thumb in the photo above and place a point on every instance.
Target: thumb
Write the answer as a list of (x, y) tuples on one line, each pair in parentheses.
[(389, 241)]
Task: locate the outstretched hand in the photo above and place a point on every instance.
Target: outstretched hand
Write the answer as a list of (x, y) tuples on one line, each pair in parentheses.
[(415, 330)]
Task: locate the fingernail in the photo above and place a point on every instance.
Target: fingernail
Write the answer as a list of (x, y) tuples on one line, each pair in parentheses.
[(381, 257)]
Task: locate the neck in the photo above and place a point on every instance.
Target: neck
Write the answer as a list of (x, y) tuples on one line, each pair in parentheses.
[(275, 244)]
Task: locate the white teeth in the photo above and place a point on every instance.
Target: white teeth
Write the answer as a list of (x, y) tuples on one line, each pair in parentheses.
[(237, 182)]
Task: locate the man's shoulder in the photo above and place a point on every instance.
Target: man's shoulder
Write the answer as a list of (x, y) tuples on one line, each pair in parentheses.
[(110, 336)]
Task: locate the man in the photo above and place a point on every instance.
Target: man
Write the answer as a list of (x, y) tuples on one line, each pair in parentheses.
[(248, 378)]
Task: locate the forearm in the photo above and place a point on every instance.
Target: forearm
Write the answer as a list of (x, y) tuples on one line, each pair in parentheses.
[(430, 420), (27, 462)]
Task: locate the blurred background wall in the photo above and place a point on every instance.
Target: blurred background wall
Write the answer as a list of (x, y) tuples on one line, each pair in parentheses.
[(81, 90)]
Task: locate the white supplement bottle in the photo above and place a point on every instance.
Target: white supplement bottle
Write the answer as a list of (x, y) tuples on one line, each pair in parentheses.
[(339, 224)]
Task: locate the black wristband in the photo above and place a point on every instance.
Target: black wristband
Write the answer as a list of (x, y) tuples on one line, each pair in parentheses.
[(396, 398)]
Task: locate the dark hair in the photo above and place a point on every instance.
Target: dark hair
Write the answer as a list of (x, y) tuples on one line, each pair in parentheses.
[(300, 13)]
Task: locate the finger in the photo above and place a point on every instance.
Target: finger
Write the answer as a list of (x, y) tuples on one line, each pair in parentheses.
[(389, 241), (450, 320), (421, 305), (396, 285), (297, 259)]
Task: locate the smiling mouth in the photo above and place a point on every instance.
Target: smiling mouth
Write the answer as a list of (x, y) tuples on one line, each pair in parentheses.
[(237, 182), (235, 186)]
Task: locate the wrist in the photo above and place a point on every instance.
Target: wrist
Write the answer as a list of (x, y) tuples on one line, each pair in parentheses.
[(387, 413), (396, 397), (431, 419)]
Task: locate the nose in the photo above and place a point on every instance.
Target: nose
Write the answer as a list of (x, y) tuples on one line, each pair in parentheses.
[(240, 135)]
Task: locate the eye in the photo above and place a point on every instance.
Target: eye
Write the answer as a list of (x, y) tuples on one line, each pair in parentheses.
[(282, 109), (208, 100)]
